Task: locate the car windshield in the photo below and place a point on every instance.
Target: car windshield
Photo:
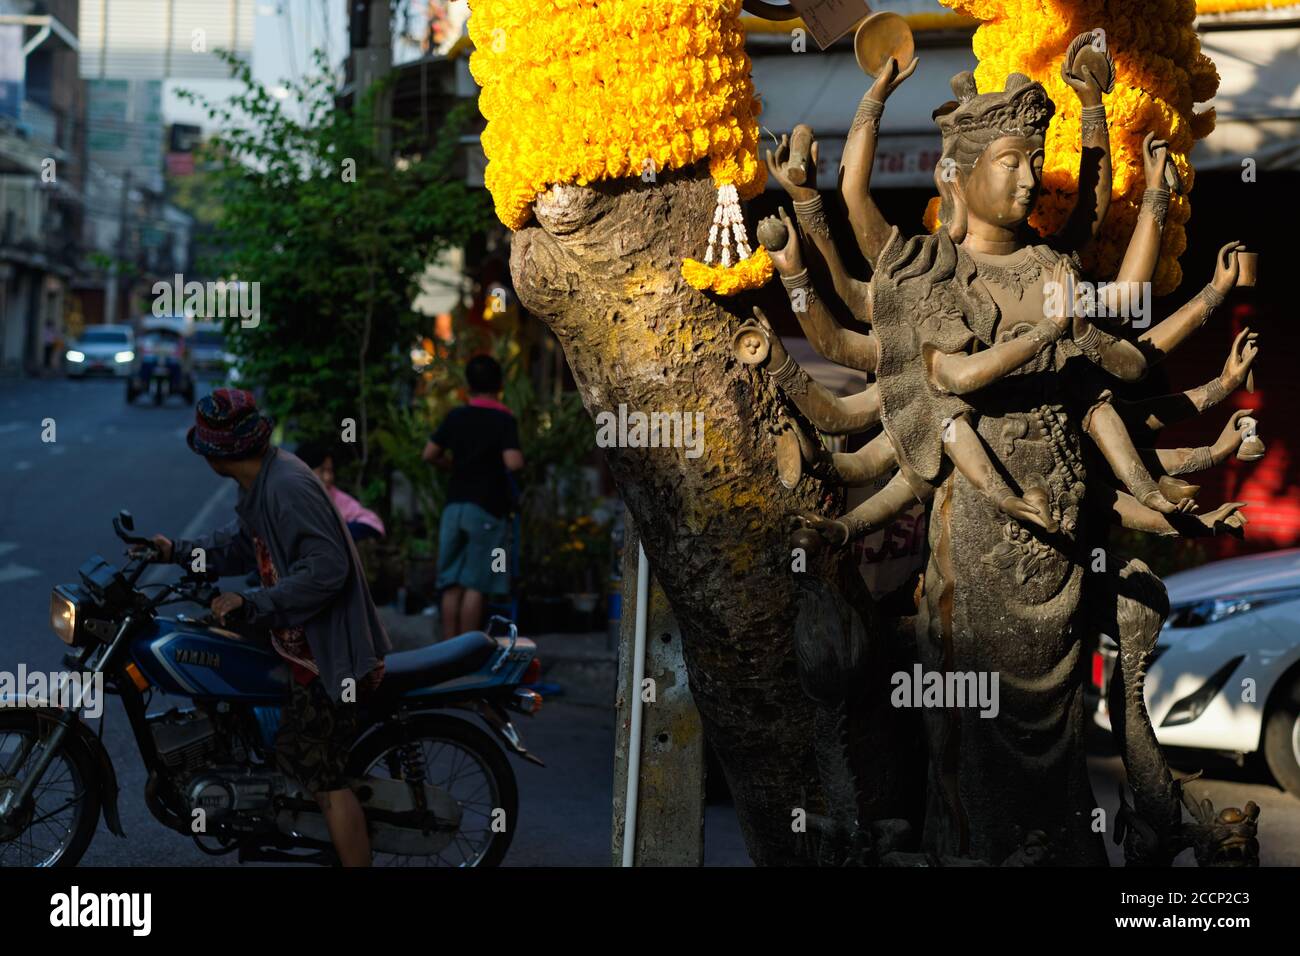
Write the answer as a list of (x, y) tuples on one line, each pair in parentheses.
[(160, 342), (209, 339), (104, 337)]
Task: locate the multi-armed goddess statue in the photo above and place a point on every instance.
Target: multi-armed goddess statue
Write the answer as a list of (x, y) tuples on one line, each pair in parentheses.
[(994, 361)]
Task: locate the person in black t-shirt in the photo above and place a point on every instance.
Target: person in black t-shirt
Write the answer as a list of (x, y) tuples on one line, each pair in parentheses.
[(479, 444)]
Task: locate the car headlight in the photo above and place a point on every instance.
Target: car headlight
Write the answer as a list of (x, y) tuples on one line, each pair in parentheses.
[(1214, 610), (63, 617), (75, 356), (123, 357)]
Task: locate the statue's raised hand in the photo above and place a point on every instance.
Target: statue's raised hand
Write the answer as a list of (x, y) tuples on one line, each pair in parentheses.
[(1244, 349), (1063, 289), (1155, 155), (794, 165), (1227, 267), (1231, 437), (890, 78), (781, 241), (1088, 70)]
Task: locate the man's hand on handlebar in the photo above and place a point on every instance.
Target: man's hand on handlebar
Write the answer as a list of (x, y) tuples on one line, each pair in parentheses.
[(163, 545), (226, 604)]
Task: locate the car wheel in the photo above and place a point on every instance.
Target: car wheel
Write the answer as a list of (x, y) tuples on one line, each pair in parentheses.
[(1282, 738)]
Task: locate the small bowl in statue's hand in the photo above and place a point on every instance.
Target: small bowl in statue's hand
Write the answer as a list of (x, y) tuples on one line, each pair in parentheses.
[(879, 37), (1084, 60)]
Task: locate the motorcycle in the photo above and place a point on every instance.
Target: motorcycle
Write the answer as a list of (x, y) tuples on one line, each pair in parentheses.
[(436, 789)]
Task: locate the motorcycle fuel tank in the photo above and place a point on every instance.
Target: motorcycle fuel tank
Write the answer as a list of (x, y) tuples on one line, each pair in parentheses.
[(181, 657)]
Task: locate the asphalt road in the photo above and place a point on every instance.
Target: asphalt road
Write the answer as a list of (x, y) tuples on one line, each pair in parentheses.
[(57, 499)]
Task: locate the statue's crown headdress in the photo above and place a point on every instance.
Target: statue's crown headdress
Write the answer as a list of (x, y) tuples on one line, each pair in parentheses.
[(1023, 108)]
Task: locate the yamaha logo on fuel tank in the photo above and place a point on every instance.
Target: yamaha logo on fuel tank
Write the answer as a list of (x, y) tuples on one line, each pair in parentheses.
[(198, 658)]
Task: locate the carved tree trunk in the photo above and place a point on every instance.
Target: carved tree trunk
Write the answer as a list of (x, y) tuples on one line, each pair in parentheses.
[(601, 267)]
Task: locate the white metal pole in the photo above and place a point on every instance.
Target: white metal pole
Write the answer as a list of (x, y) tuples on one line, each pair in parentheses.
[(634, 737)]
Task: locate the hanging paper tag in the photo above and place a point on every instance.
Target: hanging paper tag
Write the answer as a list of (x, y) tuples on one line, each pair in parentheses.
[(828, 20)]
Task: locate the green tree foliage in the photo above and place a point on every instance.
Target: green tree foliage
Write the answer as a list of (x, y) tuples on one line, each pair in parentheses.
[(337, 238)]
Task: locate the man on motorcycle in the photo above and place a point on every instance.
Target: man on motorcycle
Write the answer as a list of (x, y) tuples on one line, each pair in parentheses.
[(313, 597)]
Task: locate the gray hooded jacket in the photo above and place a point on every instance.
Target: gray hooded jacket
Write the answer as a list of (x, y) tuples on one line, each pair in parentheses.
[(321, 584)]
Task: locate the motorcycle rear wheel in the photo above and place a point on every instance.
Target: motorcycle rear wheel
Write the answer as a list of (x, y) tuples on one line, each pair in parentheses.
[(65, 809), (468, 764)]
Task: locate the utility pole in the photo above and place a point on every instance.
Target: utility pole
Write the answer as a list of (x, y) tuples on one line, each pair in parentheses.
[(371, 37), (669, 788), (111, 291)]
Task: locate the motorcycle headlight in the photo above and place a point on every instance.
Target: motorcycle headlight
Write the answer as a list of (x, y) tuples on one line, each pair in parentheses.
[(63, 617), (1214, 610)]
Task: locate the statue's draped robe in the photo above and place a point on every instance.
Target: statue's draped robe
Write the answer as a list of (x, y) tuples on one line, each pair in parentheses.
[(999, 596)]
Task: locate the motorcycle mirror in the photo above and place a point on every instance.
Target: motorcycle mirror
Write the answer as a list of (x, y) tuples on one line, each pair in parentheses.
[(127, 521)]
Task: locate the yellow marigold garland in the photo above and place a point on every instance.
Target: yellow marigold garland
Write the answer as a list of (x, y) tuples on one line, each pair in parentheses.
[(1160, 74), (576, 91), (750, 273)]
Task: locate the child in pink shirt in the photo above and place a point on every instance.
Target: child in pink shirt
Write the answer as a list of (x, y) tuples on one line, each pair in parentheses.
[(361, 521)]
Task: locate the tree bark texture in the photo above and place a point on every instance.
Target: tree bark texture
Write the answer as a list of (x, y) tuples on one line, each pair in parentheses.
[(601, 266)]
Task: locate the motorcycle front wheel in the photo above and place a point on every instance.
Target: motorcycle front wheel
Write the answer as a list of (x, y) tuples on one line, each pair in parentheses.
[(465, 762), (58, 824)]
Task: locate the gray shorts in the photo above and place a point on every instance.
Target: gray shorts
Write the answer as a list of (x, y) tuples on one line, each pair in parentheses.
[(468, 540)]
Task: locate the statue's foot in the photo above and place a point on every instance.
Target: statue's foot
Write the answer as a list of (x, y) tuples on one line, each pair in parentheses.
[(1034, 513)]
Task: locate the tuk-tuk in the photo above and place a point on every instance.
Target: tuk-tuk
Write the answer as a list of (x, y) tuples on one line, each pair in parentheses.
[(163, 363)]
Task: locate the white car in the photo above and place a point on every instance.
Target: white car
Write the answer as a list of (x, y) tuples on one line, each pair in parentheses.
[(1226, 669), (101, 350)]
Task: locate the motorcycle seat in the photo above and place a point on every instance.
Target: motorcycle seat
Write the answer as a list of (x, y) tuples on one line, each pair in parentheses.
[(425, 666)]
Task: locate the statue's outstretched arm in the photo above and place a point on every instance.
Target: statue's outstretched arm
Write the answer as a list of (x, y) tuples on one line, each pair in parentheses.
[(1159, 341), (866, 464), (1093, 199), (1187, 461), (960, 374), (827, 337), (1105, 427), (876, 512), (1153, 414), (965, 449), (869, 226), (1130, 513), (1143, 250), (1120, 358), (795, 167), (755, 343)]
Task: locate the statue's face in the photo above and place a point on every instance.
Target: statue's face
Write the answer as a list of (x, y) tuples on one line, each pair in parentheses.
[(1002, 188)]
